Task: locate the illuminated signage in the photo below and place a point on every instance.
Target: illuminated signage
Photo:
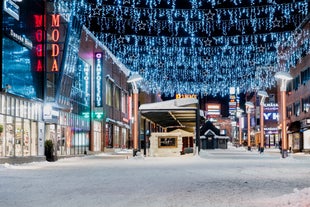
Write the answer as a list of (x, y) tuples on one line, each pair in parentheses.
[(271, 112), (23, 40), (232, 101), (86, 79), (55, 35), (271, 116), (98, 79), (11, 8), (98, 115), (39, 37), (177, 96)]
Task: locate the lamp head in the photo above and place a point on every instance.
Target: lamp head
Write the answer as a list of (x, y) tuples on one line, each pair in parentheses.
[(249, 104), (282, 75), (263, 95)]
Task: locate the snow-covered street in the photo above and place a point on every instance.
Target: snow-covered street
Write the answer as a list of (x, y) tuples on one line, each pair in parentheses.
[(216, 178)]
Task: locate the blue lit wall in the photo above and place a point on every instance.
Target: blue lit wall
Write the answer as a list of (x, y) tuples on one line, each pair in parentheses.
[(17, 71), (18, 37)]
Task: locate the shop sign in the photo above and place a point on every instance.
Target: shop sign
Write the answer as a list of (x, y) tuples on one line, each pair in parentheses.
[(98, 79), (178, 95), (271, 111), (21, 39), (39, 37), (55, 35), (11, 8)]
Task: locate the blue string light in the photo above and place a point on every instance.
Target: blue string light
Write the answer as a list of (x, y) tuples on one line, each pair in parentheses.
[(203, 48)]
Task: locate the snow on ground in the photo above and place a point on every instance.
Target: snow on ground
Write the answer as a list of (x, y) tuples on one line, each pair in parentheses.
[(217, 178)]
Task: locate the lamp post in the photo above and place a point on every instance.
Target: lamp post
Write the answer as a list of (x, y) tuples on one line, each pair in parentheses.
[(239, 115), (263, 95), (249, 105), (133, 79), (283, 78)]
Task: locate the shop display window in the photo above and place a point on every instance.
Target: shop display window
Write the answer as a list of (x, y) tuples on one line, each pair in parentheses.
[(2, 140), (9, 136), (167, 142)]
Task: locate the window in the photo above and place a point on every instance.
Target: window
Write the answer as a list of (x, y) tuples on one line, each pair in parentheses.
[(109, 93), (289, 111), (297, 108), (169, 142), (306, 104), (305, 76), (289, 87), (117, 98), (296, 82), (124, 102)]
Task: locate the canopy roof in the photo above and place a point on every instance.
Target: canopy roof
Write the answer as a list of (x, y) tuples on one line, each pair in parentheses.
[(176, 113)]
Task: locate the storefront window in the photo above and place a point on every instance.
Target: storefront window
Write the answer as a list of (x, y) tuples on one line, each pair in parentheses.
[(124, 137), (116, 136), (2, 143), (34, 139), (9, 135), (2, 104), (167, 142), (26, 138), (18, 137)]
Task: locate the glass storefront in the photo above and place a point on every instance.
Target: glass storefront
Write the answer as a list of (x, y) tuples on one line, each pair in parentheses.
[(19, 123)]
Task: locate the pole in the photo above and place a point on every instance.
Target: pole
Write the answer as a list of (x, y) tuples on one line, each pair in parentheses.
[(262, 132), (283, 117), (240, 132), (135, 123), (249, 129)]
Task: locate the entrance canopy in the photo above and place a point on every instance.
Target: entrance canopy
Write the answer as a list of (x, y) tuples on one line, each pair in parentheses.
[(176, 113)]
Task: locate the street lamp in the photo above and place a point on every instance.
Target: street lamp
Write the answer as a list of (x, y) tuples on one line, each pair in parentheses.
[(263, 95), (239, 115), (249, 105), (133, 79), (283, 78)]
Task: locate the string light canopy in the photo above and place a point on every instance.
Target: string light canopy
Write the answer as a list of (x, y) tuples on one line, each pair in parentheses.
[(199, 46)]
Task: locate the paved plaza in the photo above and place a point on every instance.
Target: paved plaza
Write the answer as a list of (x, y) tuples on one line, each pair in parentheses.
[(216, 178)]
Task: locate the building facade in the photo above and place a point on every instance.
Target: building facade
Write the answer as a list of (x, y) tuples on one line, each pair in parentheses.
[(58, 83), (298, 89)]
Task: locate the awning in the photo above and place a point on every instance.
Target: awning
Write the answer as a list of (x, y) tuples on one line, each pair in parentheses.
[(176, 113)]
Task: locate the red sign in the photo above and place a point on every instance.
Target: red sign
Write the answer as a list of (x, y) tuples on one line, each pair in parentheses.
[(39, 37)]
